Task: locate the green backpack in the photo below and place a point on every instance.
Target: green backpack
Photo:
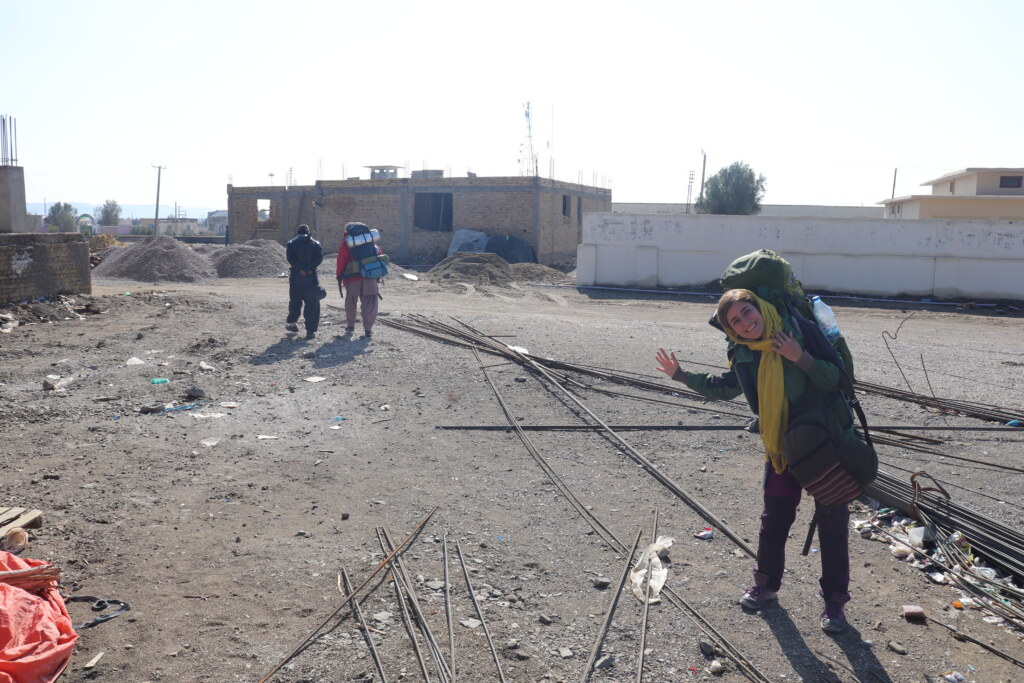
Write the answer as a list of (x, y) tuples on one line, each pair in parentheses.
[(770, 276)]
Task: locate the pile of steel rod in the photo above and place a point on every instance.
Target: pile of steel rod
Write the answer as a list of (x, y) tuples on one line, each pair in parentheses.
[(999, 544), (979, 410)]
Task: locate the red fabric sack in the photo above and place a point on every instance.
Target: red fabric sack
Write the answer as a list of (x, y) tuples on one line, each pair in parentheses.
[(36, 635)]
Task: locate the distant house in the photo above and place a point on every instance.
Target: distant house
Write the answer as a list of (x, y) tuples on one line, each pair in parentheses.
[(995, 194), (217, 222)]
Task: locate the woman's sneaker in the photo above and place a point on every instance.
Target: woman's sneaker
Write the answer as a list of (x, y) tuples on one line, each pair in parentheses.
[(833, 619), (757, 597)]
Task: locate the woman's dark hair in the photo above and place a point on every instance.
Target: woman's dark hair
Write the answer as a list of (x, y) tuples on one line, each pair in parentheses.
[(728, 299)]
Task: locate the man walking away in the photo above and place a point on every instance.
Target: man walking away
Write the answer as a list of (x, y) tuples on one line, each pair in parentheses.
[(357, 287), (304, 255)]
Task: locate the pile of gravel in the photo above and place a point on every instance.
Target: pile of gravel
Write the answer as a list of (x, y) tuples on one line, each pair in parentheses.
[(535, 272), (477, 268), (255, 258), (153, 258)]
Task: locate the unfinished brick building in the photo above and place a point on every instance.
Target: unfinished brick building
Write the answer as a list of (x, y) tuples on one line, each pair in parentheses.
[(416, 216)]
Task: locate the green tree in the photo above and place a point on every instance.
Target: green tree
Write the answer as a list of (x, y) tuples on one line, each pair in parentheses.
[(109, 213), (734, 190), (63, 216)]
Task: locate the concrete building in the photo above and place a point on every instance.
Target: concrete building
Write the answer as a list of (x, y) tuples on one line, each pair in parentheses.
[(417, 216), (995, 194), (170, 225), (217, 222)]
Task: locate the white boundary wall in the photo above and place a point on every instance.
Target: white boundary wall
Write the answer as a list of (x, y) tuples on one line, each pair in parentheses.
[(880, 257)]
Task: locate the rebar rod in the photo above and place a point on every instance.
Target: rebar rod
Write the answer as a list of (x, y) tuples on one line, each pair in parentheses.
[(748, 669), (479, 612), (651, 468), (401, 593), (647, 606), (383, 563), (588, 670), (417, 611), (448, 607), (358, 612)]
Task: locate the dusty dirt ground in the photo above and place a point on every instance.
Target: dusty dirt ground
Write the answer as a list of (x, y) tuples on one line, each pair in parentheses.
[(229, 546)]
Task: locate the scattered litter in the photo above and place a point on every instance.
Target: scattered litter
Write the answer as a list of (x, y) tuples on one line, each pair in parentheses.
[(1013, 423), (716, 667), (410, 276), (706, 535), (315, 379), (957, 604), (658, 574), (913, 612), (134, 361), (208, 416), (385, 407), (210, 443), (954, 677), (519, 349), (992, 619), (338, 418), (94, 661), (228, 404), (335, 426), (937, 577), (206, 367), (901, 552), (159, 380), (15, 541), (471, 623), (186, 406), (265, 436)]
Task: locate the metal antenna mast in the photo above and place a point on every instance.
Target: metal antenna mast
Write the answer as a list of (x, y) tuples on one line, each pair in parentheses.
[(530, 158)]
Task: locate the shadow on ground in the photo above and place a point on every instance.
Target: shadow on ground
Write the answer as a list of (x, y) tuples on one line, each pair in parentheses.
[(863, 664)]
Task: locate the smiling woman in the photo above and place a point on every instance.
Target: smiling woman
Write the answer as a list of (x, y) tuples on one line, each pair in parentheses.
[(771, 366)]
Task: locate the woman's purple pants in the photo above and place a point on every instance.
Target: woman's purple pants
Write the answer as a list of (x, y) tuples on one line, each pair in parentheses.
[(781, 498)]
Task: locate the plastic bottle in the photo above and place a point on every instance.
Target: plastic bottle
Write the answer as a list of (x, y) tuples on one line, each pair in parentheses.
[(825, 317), (159, 380)]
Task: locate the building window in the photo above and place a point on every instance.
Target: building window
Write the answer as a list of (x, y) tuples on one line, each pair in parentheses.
[(952, 187), (579, 209), (432, 211), (566, 206), (1011, 181)]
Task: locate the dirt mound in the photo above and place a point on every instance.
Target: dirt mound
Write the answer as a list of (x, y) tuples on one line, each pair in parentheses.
[(102, 241), (270, 245), (154, 258), (535, 272), (255, 258), (477, 268)]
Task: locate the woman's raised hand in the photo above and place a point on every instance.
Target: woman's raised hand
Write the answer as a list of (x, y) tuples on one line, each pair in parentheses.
[(787, 346), (667, 362)]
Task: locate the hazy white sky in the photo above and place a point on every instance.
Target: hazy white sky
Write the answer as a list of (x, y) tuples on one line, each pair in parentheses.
[(825, 99)]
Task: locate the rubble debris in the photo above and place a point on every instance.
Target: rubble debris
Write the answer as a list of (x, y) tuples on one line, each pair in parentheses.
[(473, 268)]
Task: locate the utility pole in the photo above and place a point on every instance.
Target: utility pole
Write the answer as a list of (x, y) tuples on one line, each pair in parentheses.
[(689, 192), (894, 183), (702, 169), (156, 222)]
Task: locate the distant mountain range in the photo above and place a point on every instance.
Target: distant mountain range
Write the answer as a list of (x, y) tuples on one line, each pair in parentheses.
[(130, 210)]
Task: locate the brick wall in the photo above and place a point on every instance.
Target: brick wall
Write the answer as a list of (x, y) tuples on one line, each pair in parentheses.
[(561, 234), (524, 207), (32, 266)]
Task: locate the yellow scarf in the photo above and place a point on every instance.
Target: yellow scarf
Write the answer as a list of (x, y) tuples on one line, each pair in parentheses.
[(773, 408)]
